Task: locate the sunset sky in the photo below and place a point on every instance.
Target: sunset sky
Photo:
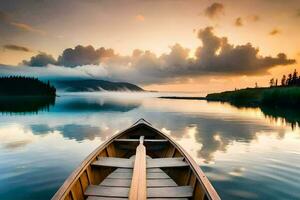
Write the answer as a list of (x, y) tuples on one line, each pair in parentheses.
[(167, 45)]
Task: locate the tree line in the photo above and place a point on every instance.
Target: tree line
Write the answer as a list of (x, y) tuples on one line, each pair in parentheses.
[(25, 86), (291, 79)]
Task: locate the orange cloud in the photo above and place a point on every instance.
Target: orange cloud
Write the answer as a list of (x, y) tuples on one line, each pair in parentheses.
[(275, 32), (140, 18), (238, 22), (28, 28), (214, 10)]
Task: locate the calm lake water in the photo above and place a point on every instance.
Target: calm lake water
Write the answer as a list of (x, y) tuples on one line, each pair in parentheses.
[(246, 153)]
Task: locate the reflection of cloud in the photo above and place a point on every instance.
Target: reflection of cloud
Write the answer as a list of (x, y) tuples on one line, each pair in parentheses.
[(78, 132), (14, 136), (214, 133), (238, 171)]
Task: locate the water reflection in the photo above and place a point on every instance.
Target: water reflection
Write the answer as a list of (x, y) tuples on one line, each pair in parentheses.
[(276, 114), (22, 105), (236, 147), (77, 132)]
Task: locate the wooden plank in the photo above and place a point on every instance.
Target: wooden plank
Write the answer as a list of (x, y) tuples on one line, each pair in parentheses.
[(128, 175), (154, 170), (170, 192), (84, 181), (116, 182), (138, 187), (123, 170), (161, 175), (170, 151), (104, 198), (109, 198), (161, 183), (120, 175), (122, 192), (150, 182), (137, 140), (165, 162), (104, 191), (76, 191), (114, 162), (111, 152)]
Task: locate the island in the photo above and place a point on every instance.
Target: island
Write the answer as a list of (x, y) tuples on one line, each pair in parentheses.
[(25, 86), (25, 95)]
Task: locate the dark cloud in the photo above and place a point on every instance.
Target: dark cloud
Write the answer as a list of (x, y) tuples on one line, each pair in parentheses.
[(217, 55), (214, 10), (298, 13), (275, 31), (3, 16), (27, 28), (81, 55), (16, 48), (40, 60), (238, 22)]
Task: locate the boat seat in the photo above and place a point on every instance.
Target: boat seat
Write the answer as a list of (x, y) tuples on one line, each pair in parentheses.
[(152, 192), (139, 177), (114, 162), (166, 162), (151, 163), (145, 140)]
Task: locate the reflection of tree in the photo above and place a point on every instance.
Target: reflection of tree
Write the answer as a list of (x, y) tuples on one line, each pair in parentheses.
[(288, 115), (25, 104), (291, 116)]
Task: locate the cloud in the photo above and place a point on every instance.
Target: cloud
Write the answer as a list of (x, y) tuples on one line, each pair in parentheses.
[(53, 72), (214, 10), (140, 18), (81, 55), (298, 13), (16, 48), (216, 56), (40, 60), (255, 18), (275, 32), (240, 59), (27, 27), (238, 22), (3, 16)]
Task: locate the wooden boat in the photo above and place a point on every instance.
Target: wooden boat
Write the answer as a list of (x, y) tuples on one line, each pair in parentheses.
[(138, 163)]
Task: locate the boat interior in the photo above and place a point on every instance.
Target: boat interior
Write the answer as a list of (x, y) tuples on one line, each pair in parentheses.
[(139, 163)]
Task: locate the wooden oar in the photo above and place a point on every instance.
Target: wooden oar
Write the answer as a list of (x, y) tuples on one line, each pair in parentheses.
[(138, 188)]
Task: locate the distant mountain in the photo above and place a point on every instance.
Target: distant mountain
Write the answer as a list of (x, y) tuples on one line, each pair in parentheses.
[(95, 85)]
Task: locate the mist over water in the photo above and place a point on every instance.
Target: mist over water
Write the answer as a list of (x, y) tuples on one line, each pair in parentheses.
[(247, 153)]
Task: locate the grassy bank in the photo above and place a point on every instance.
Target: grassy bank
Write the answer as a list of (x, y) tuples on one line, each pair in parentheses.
[(274, 97)]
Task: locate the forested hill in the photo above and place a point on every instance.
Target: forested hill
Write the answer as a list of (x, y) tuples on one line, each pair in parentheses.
[(95, 85), (25, 86)]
